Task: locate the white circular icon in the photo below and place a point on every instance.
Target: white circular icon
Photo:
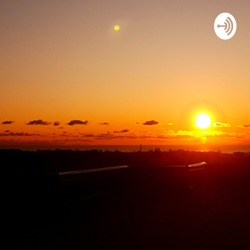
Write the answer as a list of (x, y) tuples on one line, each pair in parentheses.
[(225, 26)]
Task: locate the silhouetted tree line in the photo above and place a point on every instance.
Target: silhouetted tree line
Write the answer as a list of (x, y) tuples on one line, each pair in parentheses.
[(54, 161)]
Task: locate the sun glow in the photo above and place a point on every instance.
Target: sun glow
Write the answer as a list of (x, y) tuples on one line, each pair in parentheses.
[(203, 121), (117, 27)]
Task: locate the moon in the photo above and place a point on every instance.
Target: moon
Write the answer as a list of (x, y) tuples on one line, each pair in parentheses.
[(117, 27)]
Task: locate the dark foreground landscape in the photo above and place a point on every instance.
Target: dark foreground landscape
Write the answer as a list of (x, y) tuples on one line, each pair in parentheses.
[(145, 204)]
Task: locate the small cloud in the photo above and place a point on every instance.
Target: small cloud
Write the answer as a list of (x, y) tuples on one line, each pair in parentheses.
[(38, 122), (104, 123), (244, 126), (6, 131), (17, 134), (121, 131), (170, 124), (152, 122), (56, 123), (88, 135), (221, 125), (7, 122), (77, 122)]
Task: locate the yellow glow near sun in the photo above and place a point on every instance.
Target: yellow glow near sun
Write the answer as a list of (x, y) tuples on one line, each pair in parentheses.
[(116, 27), (203, 121)]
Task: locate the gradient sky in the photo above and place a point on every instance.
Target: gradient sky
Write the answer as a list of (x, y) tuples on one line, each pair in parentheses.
[(61, 61)]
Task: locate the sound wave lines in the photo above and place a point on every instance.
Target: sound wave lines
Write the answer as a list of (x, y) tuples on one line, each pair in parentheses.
[(228, 26), (225, 26)]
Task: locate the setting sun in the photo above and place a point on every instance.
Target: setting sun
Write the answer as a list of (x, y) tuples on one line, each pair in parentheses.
[(203, 121)]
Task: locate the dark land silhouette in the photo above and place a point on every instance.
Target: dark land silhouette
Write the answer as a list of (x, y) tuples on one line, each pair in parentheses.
[(147, 204)]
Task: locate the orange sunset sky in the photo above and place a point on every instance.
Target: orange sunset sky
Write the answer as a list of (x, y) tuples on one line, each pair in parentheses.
[(67, 77)]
